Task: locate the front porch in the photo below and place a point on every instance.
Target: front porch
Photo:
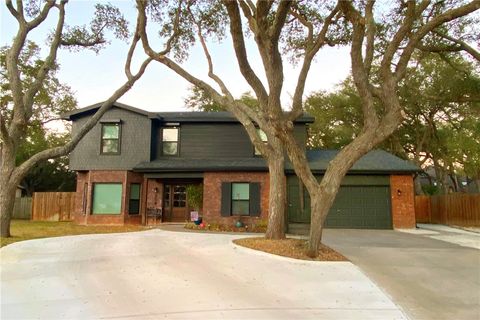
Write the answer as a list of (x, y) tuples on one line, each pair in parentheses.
[(169, 197)]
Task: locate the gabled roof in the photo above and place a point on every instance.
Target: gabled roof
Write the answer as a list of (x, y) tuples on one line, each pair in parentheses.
[(94, 107), (182, 116), (374, 162)]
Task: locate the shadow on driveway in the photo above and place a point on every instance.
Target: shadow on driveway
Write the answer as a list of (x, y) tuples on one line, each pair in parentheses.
[(429, 279)]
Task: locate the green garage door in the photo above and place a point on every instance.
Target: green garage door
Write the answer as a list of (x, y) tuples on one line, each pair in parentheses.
[(356, 206), (361, 207)]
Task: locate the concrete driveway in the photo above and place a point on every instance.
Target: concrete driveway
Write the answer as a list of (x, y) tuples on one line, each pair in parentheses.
[(161, 274), (428, 278)]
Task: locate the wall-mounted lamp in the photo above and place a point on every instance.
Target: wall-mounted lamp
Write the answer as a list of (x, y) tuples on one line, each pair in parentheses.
[(155, 190), (399, 192)]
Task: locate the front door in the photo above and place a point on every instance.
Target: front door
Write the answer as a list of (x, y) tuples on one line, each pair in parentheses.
[(175, 203)]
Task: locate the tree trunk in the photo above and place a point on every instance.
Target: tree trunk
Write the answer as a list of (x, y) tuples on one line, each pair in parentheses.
[(7, 187), (277, 197), (7, 201), (418, 186), (320, 203)]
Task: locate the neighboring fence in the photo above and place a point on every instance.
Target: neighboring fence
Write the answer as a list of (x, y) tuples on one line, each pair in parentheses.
[(22, 208), (459, 209), (53, 206)]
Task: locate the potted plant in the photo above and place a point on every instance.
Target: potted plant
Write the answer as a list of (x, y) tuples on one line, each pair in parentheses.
[(195, 201)]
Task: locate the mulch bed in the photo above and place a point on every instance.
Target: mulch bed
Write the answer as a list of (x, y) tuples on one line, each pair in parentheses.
[(292, 248)]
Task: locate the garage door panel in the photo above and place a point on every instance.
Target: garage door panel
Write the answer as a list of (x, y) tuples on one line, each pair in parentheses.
[(361, 207)]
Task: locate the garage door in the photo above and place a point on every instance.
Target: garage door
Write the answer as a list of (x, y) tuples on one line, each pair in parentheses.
[(356, 206), (361, 207)]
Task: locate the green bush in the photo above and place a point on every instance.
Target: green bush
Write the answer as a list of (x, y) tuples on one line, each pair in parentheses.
[(195, 196)]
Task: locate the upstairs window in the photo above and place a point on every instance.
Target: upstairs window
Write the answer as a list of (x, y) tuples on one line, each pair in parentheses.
[(170, 141), (263, 137), (110, 138)]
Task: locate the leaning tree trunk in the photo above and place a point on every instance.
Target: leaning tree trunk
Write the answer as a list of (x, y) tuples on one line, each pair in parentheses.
[(320, 203), (277, 197)]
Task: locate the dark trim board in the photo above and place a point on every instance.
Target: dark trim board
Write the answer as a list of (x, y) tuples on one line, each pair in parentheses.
[(174, 175)]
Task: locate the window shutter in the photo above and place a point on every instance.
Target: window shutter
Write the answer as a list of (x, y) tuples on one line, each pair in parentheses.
[(255, 199), (226, 205)]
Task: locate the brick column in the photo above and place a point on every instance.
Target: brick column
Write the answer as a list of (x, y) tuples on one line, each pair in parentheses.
[(403, 201)]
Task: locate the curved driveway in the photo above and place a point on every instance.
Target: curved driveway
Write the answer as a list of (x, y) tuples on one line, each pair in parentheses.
[(172, 275)]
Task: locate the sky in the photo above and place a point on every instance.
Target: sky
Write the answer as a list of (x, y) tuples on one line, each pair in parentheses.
[(94, 77)]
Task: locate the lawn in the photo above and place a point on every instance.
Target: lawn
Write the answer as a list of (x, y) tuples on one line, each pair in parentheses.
[(26, 230)]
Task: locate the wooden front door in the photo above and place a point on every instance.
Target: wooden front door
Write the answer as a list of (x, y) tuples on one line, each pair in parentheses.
[(175, 203)]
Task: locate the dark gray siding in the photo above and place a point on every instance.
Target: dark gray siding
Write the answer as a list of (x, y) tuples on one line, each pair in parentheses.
[(216, 140), (135, 143)]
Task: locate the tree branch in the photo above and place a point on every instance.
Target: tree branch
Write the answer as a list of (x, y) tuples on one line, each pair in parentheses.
[(241, 54), (461, 44), (47, 64), (297, 101), (21, 170), (44, 13), (447, 16), (15, 13)]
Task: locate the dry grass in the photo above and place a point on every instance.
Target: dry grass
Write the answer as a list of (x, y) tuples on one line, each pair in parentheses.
[(292, 248), (26, 230)]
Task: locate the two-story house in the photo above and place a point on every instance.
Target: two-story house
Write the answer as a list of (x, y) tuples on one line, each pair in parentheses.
[(134, 161)]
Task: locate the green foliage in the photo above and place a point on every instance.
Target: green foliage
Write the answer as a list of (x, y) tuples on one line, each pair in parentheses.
[(93, 37), (441, 100), (199, 100), (53, 99), (195, 195), (430, 190), (338, 117)]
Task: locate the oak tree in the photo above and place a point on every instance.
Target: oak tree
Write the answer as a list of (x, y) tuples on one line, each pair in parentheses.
[(21, 97)]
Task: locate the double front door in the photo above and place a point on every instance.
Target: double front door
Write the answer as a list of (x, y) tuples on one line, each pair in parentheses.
[(175, 203)]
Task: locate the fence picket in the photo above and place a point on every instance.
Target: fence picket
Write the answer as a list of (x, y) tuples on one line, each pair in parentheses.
[(452, 209), (53, 206)]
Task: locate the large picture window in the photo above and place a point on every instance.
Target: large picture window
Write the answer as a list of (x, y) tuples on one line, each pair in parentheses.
[(110, 138), (170, 141), (241, 199), (134, 202), (107, 198)]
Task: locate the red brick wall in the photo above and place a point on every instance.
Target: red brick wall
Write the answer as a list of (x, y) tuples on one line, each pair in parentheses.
[(212, 193), (403, 201), (133, 177), (91, 177)]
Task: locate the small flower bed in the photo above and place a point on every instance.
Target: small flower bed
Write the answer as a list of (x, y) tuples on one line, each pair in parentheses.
[(292, 248), (259, 227)]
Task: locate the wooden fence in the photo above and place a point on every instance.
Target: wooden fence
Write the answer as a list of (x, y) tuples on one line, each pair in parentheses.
[(22, 208), (53, 206), (454, 209)]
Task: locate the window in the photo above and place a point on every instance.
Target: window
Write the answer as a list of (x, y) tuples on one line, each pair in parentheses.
[(170, 141), (179, 196), (84, 200), (241, 199), (134, 202), (110, 138), (263, 136), (107, 198)]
